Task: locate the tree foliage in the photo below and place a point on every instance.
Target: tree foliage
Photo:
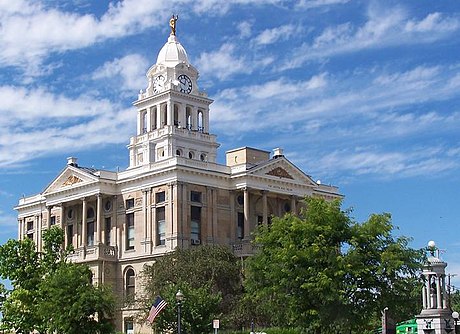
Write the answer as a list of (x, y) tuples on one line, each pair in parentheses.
[(208, 276), (321, 270), (49, 294)]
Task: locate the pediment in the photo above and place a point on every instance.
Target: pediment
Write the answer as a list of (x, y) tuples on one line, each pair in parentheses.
[(282, 168), (69, 178)]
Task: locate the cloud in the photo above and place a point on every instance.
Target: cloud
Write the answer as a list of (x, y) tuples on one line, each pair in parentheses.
[(308, 4), (383, 28), (27, 42), (131, 68), (270, 36), (221, 63)]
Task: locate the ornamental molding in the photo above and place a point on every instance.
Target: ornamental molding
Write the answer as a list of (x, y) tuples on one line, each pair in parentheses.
[(72, 180), (280, 172)]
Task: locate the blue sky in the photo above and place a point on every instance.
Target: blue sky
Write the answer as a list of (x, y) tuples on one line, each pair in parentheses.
[(360, 94)]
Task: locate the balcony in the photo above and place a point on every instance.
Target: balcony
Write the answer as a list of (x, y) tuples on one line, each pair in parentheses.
[(244, 248), (100, 252)]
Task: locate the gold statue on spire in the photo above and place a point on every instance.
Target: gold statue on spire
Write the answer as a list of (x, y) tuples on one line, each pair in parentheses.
[(172, 24)]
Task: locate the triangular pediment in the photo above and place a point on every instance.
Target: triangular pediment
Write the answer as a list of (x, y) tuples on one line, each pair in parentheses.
[(281, 168), (70, 177)]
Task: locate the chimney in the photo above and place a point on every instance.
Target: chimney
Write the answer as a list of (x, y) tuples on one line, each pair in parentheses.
[(71, 161), (277, 153)]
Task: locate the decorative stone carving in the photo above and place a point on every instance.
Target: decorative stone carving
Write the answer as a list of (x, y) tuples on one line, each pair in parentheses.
[(280, 172), (72, 180)]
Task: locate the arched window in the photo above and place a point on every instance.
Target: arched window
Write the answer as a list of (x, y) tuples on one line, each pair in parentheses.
[(130, 283), (188, 117), (153, 120), (178, 152), (200, 121), (191, 155), (176, 115), (144, 122), (90, 227)]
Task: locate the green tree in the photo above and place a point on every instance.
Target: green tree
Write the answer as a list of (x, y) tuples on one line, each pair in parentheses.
[(208, 276), (322, 271), (49, 293)]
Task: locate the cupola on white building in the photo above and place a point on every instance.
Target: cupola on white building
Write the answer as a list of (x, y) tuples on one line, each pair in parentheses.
[(174, 192)]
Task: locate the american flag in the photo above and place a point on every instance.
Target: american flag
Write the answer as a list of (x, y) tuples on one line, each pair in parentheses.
[(156, 308)]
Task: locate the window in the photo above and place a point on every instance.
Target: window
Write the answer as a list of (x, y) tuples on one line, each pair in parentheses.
[(130, 231), (108, 205), (129, 326), (178, 153), (160, 197), (130, 284), (69, 213), (129, 203), (90, 213), (52, 220), (30, 225), (195, 223), (203, 157), (240, 226), (195, 196), (69, 235), (90, 237), (240, 199), (108, 229), (287, 207), (161, 226), (190, 155), (260, 220)]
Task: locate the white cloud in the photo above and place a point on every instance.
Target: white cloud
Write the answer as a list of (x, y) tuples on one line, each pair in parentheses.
[(384, 28), (270, 36), (221, 63), (319, 3), (130, 68)]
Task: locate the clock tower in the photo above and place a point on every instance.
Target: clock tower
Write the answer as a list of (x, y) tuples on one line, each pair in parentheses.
[(172, 113)]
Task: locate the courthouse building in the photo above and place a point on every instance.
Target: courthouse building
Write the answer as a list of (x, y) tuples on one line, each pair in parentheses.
[(174, 192)]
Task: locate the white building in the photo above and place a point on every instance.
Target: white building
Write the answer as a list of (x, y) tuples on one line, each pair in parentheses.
[(173, 194)]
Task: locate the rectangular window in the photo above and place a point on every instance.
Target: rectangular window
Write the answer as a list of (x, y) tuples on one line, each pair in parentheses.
[(130, 231), (240, 226), (129, 203), (260, 220), (160, 197), (90, 236), (69, 235), (129, 326), (195, 196), (108, 230), (161, 226), (30, 225), (52, 220), (30, 236), (195, 224)]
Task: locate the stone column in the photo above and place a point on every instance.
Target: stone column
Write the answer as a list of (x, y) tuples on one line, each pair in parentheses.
[(293, 205), (233, 222), (185, 209), (159, 117), (83, 224), (148, 119), (214, 215), (144, 217), (444, 293), (170, 113), (20, 229), (424, 299), (194, 118), (264, 207), (438, 292), (175, 215), (247, 229), (99, 220), (182, 117), (36, 235), (48, 208), (206, 120), (428, 292)]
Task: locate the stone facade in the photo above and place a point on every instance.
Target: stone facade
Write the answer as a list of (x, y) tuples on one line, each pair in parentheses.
[(173, 194)]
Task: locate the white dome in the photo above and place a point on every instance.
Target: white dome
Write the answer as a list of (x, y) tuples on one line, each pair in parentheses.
[(172, 53)]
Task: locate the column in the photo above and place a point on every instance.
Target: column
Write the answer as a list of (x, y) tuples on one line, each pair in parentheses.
[(215, 235), (148, 119), (182, 116), (83, 224), (438, 292), (293, 205), (139, 122), (206, 120), (185, 209), (159, 118), (148, 224), (48, 208), (169, 215), (144, 217), (424, 297), (99, 220), (39, 231), (36, 236), (175, 216), (194, 118), (246, 214), (444, 292), (428, 292), (20, 229), (169, 113), (233, 222), (207, 228), (264, 207)]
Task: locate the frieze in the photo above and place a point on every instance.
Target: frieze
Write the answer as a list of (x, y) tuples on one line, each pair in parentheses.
[(72, 180), (280, 172)]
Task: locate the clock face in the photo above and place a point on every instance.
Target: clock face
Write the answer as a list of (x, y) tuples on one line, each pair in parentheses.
[(158, 83), (185, 84)]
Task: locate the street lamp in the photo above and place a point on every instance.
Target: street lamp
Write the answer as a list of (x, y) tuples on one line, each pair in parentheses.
[(455, 315), (179, 299)]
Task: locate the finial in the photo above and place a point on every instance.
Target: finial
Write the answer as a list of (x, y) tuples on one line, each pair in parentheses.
[(172, 24), (431, 247)]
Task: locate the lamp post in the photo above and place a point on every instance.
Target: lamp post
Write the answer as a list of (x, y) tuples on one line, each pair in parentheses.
[(179, 299), (455, 315)]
